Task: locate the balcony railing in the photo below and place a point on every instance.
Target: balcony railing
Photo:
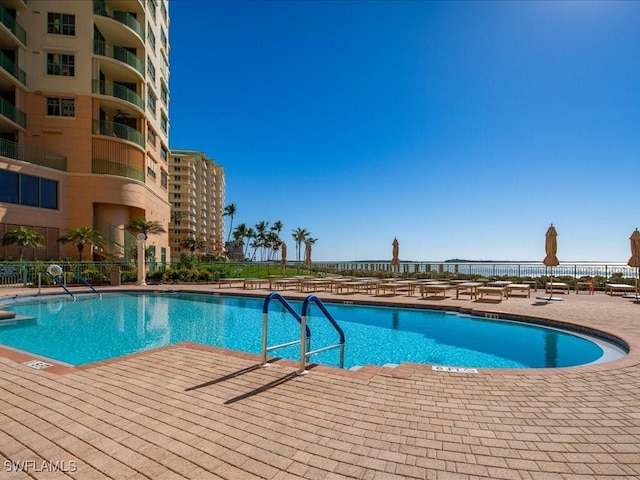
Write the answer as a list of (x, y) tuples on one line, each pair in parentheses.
[(119, 130), (130, 21), (118, 91), (126, 18), (12, 68), (36, 156), (108, 167), (121, 54), (7, 109), (10, 22)]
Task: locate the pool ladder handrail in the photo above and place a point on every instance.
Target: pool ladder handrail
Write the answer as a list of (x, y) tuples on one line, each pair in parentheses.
[(306, 332), (57, 282), (82, 279), (304, 355)]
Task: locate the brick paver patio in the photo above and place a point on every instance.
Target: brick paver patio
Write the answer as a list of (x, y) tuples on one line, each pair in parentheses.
[(189, 411)]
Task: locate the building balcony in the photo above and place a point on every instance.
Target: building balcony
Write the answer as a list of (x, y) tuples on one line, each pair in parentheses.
[(7, 64), (107, 10), (8, 110), (108, 167), (36, 156), (118, 91), (119, 130), (120, 54), (13, 26)]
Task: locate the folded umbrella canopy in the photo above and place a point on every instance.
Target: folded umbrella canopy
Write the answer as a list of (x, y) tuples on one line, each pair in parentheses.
[(283, 254), (551, 259), (395, 261), (634, 261), (551, 247), (307, 254)]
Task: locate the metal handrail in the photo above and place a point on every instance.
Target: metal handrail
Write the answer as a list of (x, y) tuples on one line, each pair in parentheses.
[(304, 355), (80, 277), (305, 337), (57, 282)]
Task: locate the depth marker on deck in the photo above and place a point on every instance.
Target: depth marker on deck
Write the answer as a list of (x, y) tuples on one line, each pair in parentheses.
[(37, 364), (438, 368)]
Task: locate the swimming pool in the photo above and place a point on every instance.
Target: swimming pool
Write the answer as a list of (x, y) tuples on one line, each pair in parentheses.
[(91, 329)]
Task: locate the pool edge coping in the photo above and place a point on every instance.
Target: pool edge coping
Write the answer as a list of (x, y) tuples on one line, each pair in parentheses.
[(404, 369)]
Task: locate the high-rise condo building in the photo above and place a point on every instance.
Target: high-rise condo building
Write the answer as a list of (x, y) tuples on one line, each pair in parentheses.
[(84, 120), (196, 193)]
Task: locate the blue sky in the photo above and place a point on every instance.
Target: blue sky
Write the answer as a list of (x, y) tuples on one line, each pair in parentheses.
[(461, 128)]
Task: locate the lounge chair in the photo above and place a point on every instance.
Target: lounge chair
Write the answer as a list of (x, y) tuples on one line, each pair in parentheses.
[(524, 288), (499, 291), (437, 289), (621, 288)]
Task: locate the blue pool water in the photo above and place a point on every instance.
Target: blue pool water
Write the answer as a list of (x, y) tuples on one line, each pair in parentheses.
[(92, 329)]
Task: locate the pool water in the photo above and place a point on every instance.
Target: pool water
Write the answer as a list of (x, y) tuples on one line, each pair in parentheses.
[(92, 329)]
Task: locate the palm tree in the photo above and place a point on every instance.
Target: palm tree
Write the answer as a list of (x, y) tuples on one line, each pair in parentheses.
[(193, 244), (261, 237), (239, 235), (81, 236), (141, 225), (277, 227), (249, 234), (23, 237), (230, 211), (272, 244), (300, 236)]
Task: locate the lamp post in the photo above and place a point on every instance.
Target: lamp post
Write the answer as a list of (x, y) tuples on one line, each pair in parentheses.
[(141, 259)]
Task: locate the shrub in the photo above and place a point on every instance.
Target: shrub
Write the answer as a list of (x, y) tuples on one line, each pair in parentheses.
[(155, 277)]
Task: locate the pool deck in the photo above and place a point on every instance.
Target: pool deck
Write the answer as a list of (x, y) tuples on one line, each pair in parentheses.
[(189, 411)]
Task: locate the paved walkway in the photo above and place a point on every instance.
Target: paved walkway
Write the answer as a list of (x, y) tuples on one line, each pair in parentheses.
[(189, 411)]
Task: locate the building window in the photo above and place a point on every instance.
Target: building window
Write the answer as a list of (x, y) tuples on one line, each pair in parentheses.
[(10, 191), (48, 193), (151, 103), (152, 7), (163, 38), (61, 107), (151, 69), (151, 37), (163, 10), (164, 154), (23, 189), (164, 94), (164, 124), (177, 178), (61, 64), (61, 24), (151, 136), (163, 180)]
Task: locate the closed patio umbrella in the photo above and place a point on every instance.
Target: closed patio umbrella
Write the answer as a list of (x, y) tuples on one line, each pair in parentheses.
[(283, 256), (307, 254), (634, 261), (395, 261), (551, 259)]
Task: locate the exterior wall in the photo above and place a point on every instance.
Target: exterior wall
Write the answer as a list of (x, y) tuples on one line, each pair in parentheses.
[(111, 153)]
